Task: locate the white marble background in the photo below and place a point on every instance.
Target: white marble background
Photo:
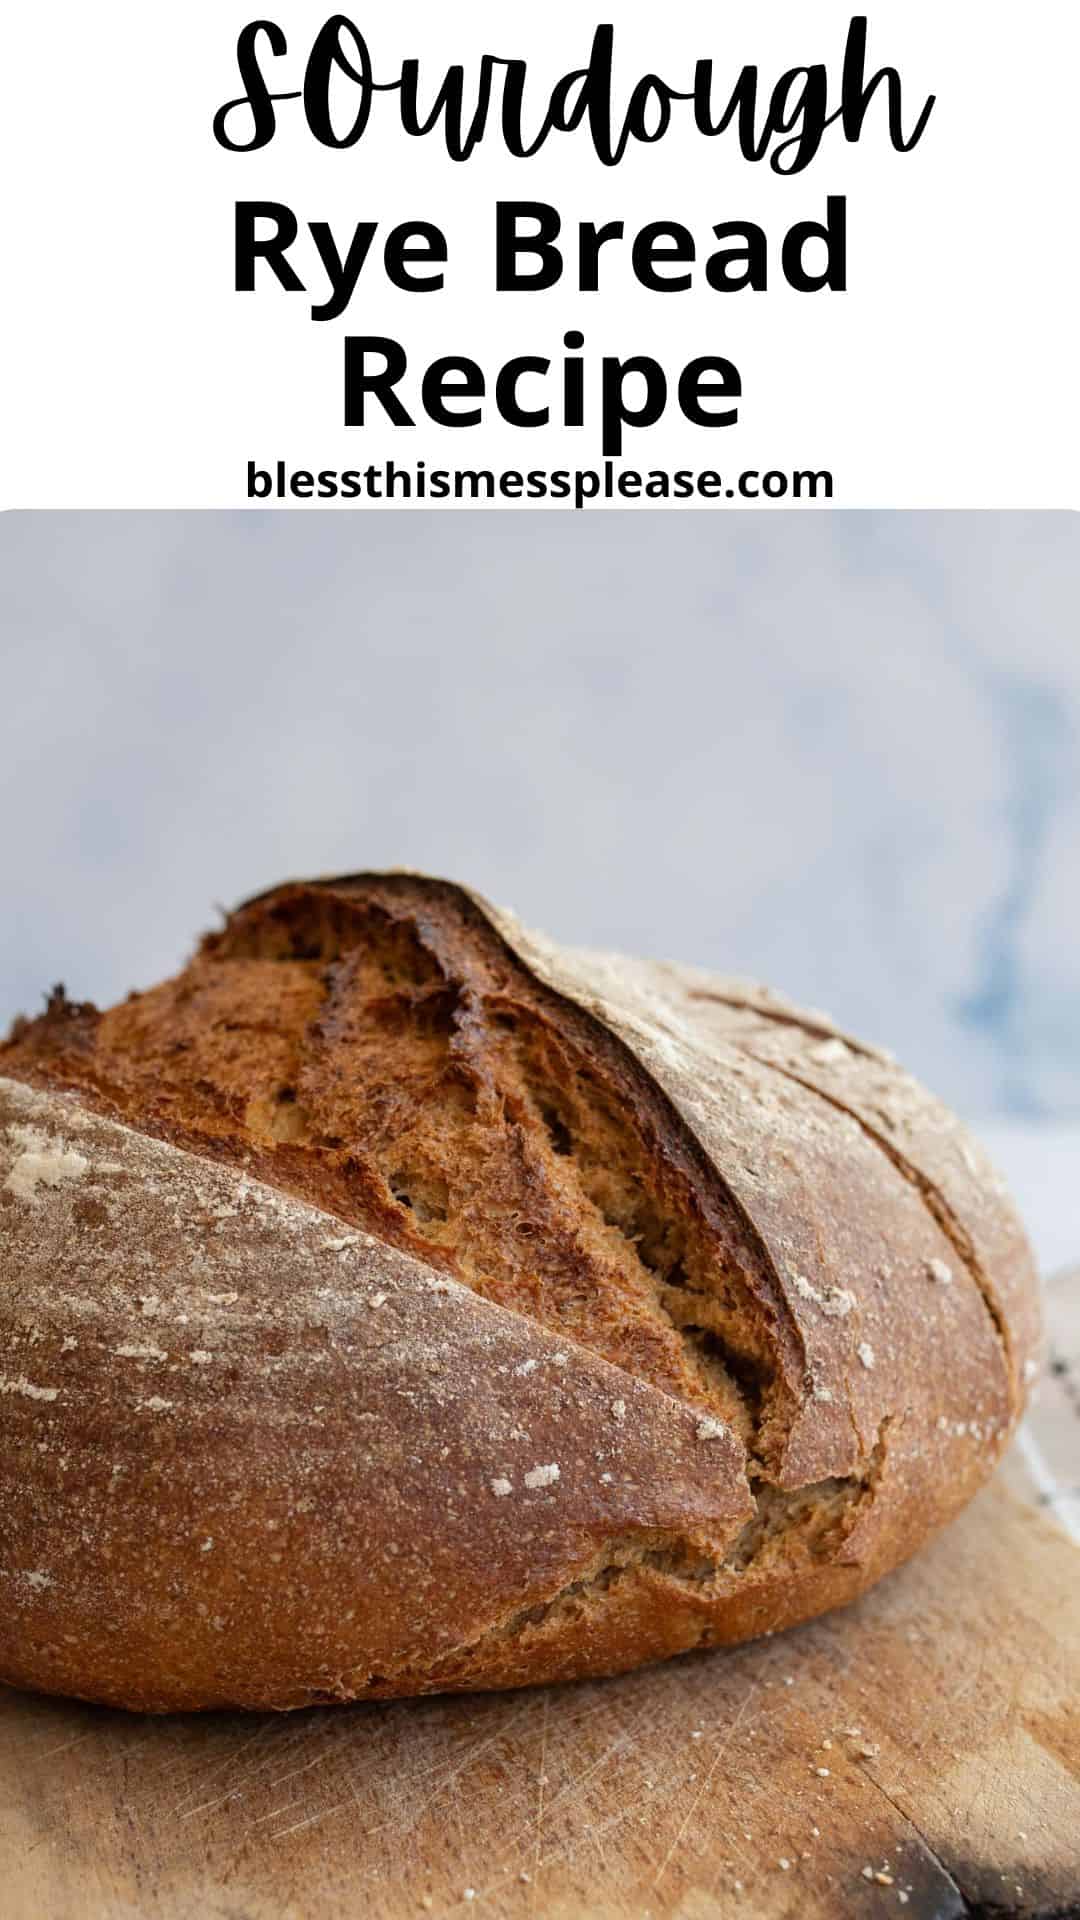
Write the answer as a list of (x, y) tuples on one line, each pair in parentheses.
[(839, 751)]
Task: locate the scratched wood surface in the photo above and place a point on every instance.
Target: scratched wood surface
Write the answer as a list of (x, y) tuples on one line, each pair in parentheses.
[(930, 1734)]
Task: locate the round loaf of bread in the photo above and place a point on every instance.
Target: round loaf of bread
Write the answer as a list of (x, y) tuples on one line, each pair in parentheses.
[(396, 1302)]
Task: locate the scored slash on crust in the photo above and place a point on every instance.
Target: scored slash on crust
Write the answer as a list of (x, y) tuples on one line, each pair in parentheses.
[(566, 1138)]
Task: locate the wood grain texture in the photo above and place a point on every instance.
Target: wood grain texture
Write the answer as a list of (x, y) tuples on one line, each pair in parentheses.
[(673, 1792)]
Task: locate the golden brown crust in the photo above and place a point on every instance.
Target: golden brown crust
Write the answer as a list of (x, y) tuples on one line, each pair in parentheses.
[(752, 1292), (252, 1456), (947, 1165)]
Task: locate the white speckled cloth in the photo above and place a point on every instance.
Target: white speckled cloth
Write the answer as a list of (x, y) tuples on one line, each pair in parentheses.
[(1042, 1165), (1044, 1464)]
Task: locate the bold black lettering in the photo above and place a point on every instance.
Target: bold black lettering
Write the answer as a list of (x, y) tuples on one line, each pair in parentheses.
[(834, 233), (565, 112), (474, 482), (449, 104), (649, 88), (437, 389), (857, 93), (590, 241), (615, 413), (648, 253), (327, 55), (272, 247), (695, 388), (808, 482), (380, 382), (342, 274), (506, 399), (799, 101), (741, 107), (730, 269), (598, 93), (415, 242), (509, 278), (256, 94), (573, 380), (567, 107)]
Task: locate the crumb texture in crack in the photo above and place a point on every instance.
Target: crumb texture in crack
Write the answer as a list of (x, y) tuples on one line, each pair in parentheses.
[(806, 1522), (789, 1530), (374, 1047)]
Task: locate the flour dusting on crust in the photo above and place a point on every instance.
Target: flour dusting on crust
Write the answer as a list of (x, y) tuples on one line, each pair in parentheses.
[(43, 1160)]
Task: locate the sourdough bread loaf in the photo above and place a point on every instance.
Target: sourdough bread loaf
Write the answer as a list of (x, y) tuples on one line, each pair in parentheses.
[(396, 1302)]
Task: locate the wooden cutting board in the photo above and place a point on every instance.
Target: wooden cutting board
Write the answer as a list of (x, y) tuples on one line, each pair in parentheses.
[(929, 1738)]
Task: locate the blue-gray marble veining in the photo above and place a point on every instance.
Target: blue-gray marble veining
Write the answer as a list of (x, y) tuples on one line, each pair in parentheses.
[(839, 751)]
